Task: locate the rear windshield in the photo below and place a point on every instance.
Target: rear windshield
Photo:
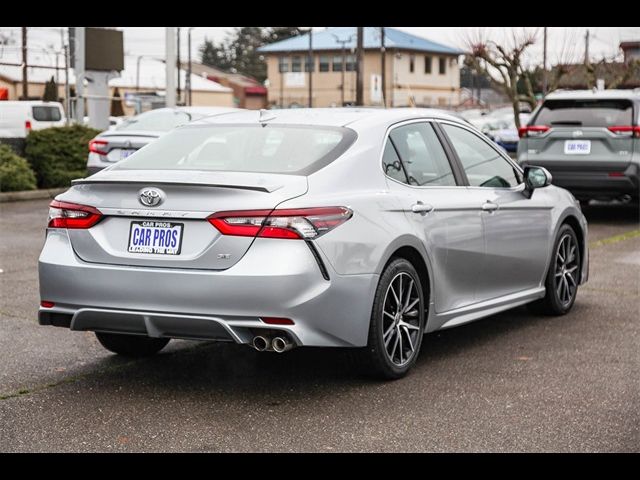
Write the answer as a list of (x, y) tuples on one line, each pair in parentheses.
[(585, 113), (156, 121), (288, 149), (46, 114)]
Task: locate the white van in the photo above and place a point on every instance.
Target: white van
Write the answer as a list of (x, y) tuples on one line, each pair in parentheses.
[(18, 118)]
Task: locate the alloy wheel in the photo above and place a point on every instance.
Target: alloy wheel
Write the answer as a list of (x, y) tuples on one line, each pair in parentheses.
[(401, 319), (566, 270)]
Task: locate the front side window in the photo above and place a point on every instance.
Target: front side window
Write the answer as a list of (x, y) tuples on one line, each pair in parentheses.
[(422, 155), (287, 149), (484, 166)]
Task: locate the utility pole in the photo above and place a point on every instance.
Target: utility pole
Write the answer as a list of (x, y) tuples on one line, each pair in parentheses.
[(310, 66), (544, 65), (170, 64), (178, 66), (25, 80), (188, 80), (79, 63), (360, 67), (586, 48), (383, 68)]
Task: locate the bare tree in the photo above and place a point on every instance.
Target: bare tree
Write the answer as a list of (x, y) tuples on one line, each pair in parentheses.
[(503, 65)]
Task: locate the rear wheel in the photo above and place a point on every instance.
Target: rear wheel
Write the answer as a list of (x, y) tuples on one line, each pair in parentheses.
[(397, 321), (563, 276), (131, 345)]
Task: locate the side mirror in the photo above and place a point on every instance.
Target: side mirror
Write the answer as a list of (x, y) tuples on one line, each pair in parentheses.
[(535, 177)]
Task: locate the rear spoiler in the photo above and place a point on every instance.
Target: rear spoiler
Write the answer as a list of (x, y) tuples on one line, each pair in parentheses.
[(256, 188)]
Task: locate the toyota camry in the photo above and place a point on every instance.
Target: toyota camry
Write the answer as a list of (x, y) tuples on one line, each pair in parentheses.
[(357, 228)]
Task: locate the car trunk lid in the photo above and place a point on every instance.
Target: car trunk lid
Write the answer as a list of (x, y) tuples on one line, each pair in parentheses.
[(189, 197)]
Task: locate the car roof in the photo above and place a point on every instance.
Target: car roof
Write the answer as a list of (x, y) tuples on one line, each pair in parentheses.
[(594, 94), (336, 117)]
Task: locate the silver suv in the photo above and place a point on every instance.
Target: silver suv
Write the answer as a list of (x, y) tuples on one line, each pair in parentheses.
[(588, 140)]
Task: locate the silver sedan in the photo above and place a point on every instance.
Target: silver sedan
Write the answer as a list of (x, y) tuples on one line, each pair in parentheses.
[(359, 228)]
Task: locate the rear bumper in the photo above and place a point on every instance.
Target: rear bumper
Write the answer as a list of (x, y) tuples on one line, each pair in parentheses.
[(587, 182), (275, 278)]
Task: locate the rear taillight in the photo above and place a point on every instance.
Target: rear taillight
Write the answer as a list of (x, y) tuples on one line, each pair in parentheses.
[(626, 130), (27, 125), (532, 130), (301, 223), (98, 146), (71, 215)]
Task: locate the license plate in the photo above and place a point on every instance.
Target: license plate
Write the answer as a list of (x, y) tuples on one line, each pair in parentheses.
[(577, 147), (125, 153), (160, 238)]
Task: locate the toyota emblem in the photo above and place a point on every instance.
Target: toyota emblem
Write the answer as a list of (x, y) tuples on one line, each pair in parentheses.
[(151, 197)]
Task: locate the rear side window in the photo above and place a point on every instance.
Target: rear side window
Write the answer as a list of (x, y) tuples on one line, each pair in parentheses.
[(46, 114), (288, 149), (585, 113), (422, 155)]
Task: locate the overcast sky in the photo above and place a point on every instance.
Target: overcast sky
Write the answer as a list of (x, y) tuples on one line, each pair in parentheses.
[(563, 43)]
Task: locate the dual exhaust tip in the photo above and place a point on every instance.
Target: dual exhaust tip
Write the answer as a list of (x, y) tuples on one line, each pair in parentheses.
[(277, 344)]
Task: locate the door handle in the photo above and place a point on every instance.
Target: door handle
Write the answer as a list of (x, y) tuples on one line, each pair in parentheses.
[(421, 208), (490, 206)]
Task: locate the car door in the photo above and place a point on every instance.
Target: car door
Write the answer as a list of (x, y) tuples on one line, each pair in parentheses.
[(517, 229), (439, 207)]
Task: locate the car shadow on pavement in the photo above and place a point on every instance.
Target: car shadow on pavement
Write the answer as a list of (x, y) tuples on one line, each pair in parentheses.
[(612, 212), (232, 369)]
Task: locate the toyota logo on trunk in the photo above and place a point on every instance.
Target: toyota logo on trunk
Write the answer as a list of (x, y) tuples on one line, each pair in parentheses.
[(151, 197)]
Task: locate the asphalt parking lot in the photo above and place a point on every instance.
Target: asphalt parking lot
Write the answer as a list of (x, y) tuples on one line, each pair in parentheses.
[(512, 382)]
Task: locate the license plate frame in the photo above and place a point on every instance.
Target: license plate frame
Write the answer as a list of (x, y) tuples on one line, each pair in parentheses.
[(152, 226), (577, 147)]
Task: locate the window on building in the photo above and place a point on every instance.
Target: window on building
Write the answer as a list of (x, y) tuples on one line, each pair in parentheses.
[(309, 63), (324, 63), (296, 64), (427, 63), (337, 63), (283, 64), (442, 65), (412, 63), (352, 63)]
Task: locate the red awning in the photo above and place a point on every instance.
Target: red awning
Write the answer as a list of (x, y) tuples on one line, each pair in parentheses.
[(257, 90)]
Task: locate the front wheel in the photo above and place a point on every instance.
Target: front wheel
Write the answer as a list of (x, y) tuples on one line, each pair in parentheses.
[(397, 321), (563, 276), (131, 345)]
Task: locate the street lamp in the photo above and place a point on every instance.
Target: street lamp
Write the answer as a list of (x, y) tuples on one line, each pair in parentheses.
[(343, 43)]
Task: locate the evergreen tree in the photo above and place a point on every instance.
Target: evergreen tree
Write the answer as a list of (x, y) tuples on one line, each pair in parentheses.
[(116, 104), (50, 91)]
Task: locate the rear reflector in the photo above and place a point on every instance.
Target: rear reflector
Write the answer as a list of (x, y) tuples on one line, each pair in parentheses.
[(626, 130), (301, 223), (47, 304), (277, 321), (98, 146), (532, 130), (71, 215)]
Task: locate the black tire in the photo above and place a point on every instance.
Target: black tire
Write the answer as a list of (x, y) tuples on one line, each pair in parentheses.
[(552, 303), (135, 346), (375, 357)]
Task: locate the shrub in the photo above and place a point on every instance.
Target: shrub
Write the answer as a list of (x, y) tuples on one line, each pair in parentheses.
[(59, 154), (15, 173)]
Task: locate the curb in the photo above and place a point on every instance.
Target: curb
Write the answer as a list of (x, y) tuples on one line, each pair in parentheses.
[(30, 195)]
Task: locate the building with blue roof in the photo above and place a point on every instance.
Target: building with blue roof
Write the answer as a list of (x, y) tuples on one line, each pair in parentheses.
[(418, 71)]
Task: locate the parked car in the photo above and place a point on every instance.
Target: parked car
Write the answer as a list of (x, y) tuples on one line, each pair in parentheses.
[(589, 141), (503, 131), (17, 119), (337, 227), (122, 140), (113, 121)]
